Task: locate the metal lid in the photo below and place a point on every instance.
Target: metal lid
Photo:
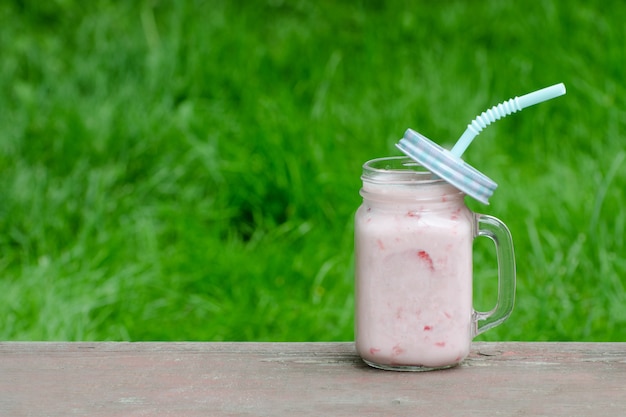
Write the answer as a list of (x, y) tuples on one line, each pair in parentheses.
[(447, 166)]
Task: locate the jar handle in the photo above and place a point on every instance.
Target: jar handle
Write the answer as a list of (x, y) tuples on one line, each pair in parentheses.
[(497, 231)]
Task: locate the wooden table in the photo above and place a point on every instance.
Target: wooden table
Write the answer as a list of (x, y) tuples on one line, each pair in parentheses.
[(296, 379)]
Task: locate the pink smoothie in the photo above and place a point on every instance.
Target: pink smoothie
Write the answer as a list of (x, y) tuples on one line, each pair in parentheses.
[(413, 276)]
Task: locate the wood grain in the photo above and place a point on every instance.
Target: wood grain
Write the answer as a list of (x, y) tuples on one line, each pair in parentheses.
[(295, 379)]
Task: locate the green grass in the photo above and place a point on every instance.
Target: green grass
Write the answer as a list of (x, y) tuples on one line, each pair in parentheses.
[(188, 170)]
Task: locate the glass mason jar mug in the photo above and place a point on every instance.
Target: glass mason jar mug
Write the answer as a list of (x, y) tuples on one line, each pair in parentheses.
[(413, 249)]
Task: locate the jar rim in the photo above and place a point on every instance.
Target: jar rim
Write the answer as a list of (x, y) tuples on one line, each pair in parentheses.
[(397, 170)]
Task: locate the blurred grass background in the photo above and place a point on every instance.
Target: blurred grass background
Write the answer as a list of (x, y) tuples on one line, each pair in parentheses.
[(188, 170)]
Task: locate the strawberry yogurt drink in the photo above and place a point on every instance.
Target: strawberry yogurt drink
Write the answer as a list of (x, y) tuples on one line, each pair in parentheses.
[(413, 245)]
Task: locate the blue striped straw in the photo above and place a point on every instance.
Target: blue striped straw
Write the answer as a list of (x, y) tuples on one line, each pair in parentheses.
[(501, 110)]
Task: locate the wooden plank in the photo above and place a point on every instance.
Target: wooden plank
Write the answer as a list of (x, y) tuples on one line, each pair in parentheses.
[(273, 379)]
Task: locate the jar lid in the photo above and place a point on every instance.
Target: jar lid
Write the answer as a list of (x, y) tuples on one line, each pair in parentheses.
[(447, 166)]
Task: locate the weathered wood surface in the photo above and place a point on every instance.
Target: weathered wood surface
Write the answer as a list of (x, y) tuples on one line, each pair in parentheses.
[(296, 379)]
